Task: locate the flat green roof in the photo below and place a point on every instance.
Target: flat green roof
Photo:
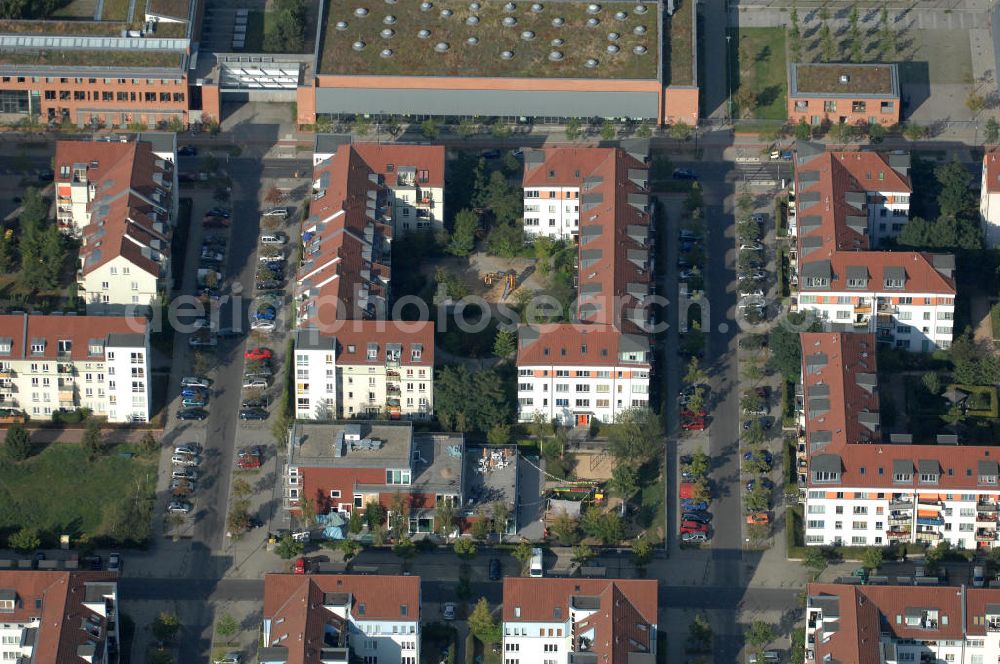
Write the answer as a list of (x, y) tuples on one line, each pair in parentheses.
[(92, 58), (64, 28), (413, 55), (840, 78)]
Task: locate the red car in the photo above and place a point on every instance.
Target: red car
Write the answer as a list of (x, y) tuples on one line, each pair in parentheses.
[(693, 424), (212, 221), (249, 461), (300, 566), (692, 526), (258, 354), (690, 414)]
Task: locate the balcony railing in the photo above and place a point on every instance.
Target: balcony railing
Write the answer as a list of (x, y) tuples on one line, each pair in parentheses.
[(986, 535), (986, 507), (900, 504), (986, 517)]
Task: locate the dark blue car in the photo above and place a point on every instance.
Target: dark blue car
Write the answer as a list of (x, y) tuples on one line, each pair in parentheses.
[(266, 313), (764, 454), (691, 506), (194, 392)]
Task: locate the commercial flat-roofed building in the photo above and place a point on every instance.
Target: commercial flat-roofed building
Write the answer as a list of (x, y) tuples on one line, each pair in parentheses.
[(64, 362), (337, 619), (901, 623), (498, 59), (120, 199), (564, 621), (365, 369), (55, 616), (103, 72), (841, 92)]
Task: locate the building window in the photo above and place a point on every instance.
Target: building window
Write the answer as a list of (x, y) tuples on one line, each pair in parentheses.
[(335, 493)]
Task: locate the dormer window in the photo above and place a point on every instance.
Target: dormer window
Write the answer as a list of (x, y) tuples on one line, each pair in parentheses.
[(902, 477), (416, 352), (817, 282), (929, 478), (893, 283), (37, 347), (987, 479), (372, 351), (825, 476)]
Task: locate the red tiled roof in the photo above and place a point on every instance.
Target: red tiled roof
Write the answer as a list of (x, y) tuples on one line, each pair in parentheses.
[(122, 205), (23, 329), (991, 169), (563, 344), (610, 259), (296, 600), (921, 275), (626, 610), (353, 337), (836, 383), (380, 156), (56, 597)]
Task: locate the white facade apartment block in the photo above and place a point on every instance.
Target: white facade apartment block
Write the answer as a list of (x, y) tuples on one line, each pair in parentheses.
[(544, 643), (315, 383), (552, 211), (129, 393), (917, 322), (366, 389), (989, 198), (415, 206), (16, 642), (888, 212), (119, 284), (879, 518), (561, 393)]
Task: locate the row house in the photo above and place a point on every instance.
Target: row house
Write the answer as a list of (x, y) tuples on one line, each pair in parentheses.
[(864, 488), (900, 624), (120, 199), (838, 92), (366, 369), (564, 621), (360, 199), (59, 616), (989, 197), (576, 373), (343, 466), (598, 365), (340, 619), (847, 204), (55, 362)]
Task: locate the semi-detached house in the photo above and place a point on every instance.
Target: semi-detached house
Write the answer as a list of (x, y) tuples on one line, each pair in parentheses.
[(575, 621), (847, 204), (120, 199), (339, 619), (599, 365), (864, 488), (54, 362)]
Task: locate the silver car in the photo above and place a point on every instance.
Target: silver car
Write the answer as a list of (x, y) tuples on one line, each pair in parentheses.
[(184, 460), (180, 507)]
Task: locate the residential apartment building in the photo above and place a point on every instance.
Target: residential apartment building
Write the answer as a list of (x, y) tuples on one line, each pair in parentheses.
[(989, 197), (57, 616), (575, 373), (847, 204), (339, 619), (864, 488), (600, 199), (120, 199), (57, 362), (562, 621), (899, 624), (366, 369), (362, 195), (840, 92), (343, 466)]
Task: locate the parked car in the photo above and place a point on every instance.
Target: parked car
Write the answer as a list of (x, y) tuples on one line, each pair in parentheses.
[(275, 212), (490, 154), (750, 290), (685, 275), (262, 325), (214, 221), (195, 381), (684, 174), (752, 275), (230, 658), (697, 517), (220, 212), (764, 454), (185, 460), (194, 402), (189, 392), (189, 474), (751, 246), (448, 611), (253, 414), (764, 482), (266, 312), (759, 218), (694, 424), (258, 354), (690, 505), (782, 155), (268, 285), (758, 519), (180, 507), (692, 527), (188, 448), (251, 383), (114, 562), (249, 461), (689, 235), (698, 536), (254, 403), (180, 483), (187, 151), (693, 415), (192, 414), (495, 569)]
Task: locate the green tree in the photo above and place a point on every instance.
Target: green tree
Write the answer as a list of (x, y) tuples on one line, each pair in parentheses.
[(976, 103), (759, 635), (786, 351), (463, 234), (642, 549), (605, 526), (758, 499), (746, 101), (914, 132), (482, 399), (374, 514), (522, 553), (160, 657), (886, 36), (954, 198), (242, 489), (608, 130), (854, 31), (582, 553), (680, 131), (695, 375), (871, 559), (803, 132), (24, 540), (465, 548), (573, 128), (500, 515), (93, 441), (876, 132), (481, 623), (226, 626), (699, 635), (700, 464), (637, 437), (696, 402), (974, 363), (499, 434), (6, 251), (148, 443), (166, 626), (445, 515), (815, 559), (467, 128), (481, 527), (624, 480), (17, 444), (842, 132), (405, 548), (644, 130), (505, 240), (505, 343), (399, 515), (238, 519), (991, 134), (289, 548), (286, 31), (565, 528), (355, 523), (429, 128), (361, 125), (307, 511), (827, 46), (932, 382)]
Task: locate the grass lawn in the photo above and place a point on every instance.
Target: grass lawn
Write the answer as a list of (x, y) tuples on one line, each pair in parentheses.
[(59, 492), (115, 10), (652, 512), (680, 47), (757, 60)]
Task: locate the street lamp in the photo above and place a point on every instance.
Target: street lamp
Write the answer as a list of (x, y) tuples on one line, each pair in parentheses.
[(729, 78)]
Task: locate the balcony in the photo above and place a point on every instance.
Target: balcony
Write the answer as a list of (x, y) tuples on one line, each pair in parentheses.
[(66, 369), (7, 373), (986, 507), (928, 536), (986, 517), (901, 504), (898, 533), (900, 517), (993, 623), (986, 535)]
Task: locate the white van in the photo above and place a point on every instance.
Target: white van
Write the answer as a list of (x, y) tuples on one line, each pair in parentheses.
[(273, 238), (535, 567)]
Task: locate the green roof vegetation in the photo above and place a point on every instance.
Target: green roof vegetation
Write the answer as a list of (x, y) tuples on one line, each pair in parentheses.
[(92, 58), (862, 79), (114, 10), (64, 28), (173, 8), (416, 56), (165, 30), (680, 44)]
